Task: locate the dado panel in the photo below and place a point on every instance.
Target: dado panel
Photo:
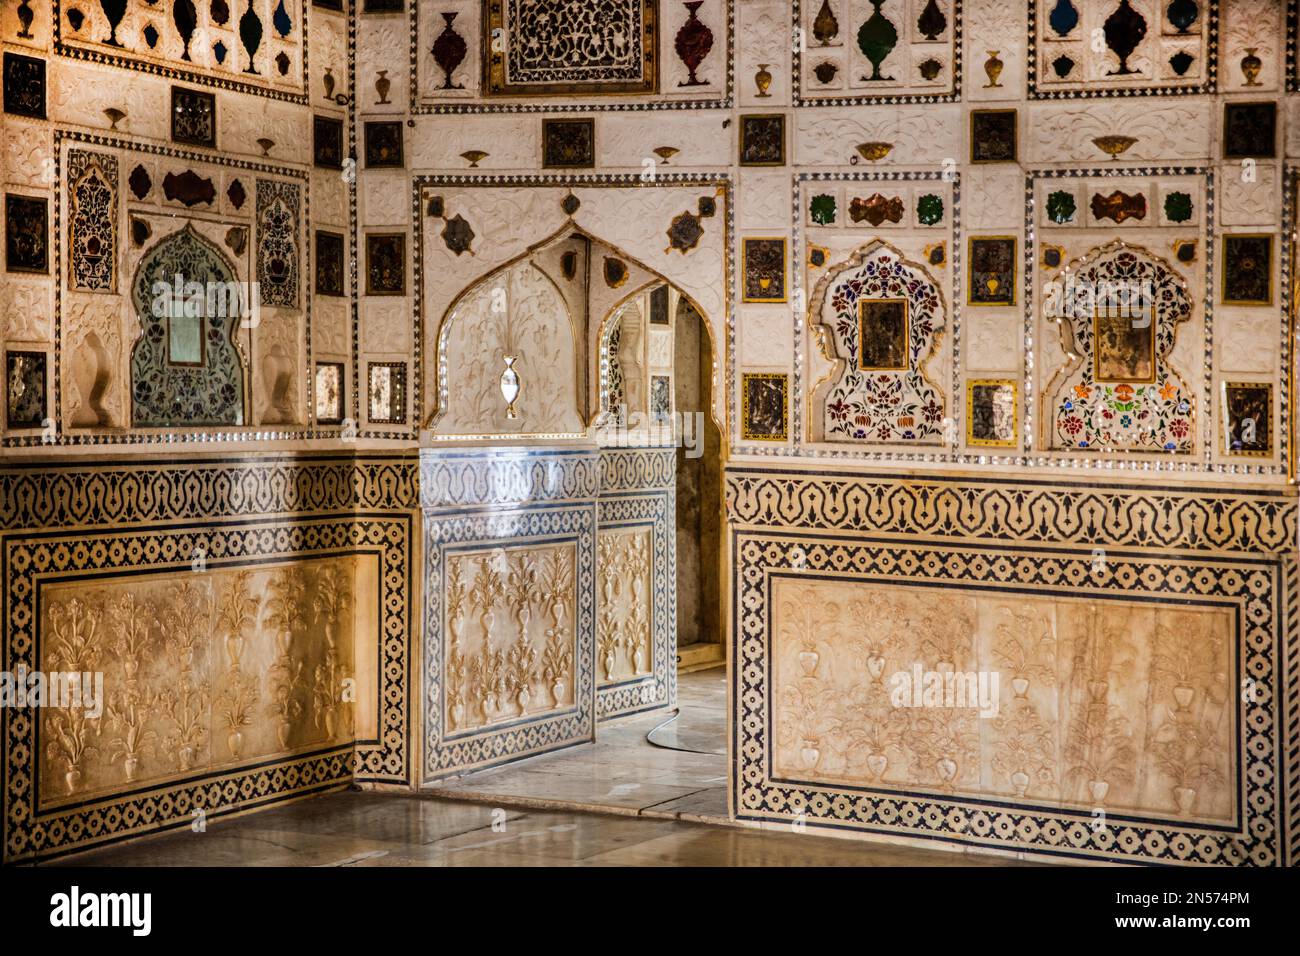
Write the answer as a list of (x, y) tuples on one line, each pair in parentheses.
[(509, 557), (636, 567), (1028, 666), (243, 624)]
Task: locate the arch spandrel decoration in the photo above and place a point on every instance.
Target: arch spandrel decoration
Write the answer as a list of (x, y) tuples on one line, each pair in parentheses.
[(163, 392), (1118, 388), (878, 391)]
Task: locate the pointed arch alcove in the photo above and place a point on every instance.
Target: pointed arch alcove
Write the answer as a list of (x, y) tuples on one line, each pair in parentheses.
[(186, 366)]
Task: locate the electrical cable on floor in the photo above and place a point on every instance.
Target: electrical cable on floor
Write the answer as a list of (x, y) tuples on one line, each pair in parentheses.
[(654, 730)]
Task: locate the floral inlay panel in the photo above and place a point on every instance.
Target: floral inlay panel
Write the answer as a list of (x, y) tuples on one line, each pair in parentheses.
[(881, 320), (164, 393), (1118, 310), (277, 242), (92, 221), (558, 46)]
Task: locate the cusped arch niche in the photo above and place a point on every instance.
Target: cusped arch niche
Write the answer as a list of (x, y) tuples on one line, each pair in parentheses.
[(186, 368), (879, 318), (515, 313), (1118, 309)]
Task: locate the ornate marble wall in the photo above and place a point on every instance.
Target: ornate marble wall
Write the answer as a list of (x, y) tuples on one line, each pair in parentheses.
[(249, 616), (884, 210)]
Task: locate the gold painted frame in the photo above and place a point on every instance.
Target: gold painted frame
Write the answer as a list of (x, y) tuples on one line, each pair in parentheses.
[(1225, 422), (745, 378), (907, 335), (549, 123), (785, 140), (744, 268), (1223, 268), (970, 272), (495, 83), (1015, 137), (1152, 357), (1014, 441)]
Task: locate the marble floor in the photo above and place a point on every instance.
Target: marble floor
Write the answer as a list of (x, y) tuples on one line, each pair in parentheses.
[(622, 801), (680, 773), (372, 829)]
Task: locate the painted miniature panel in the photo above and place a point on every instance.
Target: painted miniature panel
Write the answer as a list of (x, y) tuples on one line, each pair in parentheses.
[(881, 320), (860, 51), (765, 406)]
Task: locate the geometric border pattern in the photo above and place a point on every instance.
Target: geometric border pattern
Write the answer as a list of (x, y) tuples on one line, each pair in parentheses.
[(852, 528)]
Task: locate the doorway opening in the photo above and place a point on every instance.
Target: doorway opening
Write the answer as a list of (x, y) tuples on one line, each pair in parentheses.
[(647, 396)]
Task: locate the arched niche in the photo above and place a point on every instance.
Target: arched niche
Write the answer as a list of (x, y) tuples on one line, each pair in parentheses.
[(879, 318), (518, 314), (1117, 310), (186, 368)]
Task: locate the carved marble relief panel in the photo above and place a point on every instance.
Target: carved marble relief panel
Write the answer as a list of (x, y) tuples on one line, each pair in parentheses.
[(279, 677), (636, 581), (511, 618), (867, 50), (1084, 703), (238, 658), (515, 321), (1110, 666), (623, 618), (509, 554)]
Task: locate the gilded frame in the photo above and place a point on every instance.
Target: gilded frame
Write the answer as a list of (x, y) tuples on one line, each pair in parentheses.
[(496, 84), (1223, 268), (746, 433), (971, 385), (1226, 420)]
